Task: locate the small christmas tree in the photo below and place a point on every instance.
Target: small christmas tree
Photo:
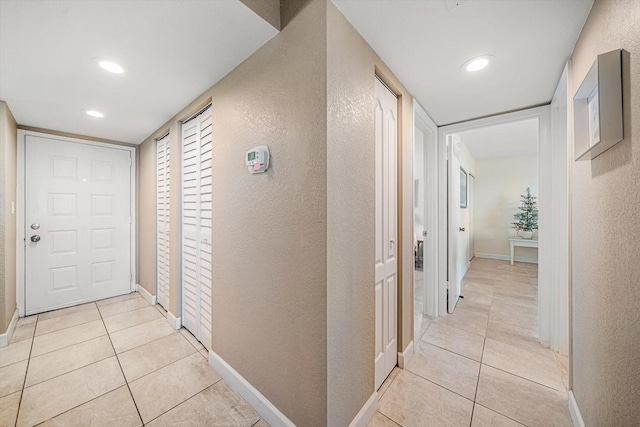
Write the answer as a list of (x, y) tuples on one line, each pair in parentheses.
[(527, 218)]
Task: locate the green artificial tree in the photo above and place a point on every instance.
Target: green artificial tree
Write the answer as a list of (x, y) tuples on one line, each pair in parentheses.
[(526, 219)]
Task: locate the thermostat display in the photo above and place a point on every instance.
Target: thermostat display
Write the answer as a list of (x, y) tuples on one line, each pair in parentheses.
[(257, 159)]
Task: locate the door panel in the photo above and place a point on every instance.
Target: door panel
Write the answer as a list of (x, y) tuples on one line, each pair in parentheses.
[(196, 226), (386, 288), (80, 197), (456, 251), (163, 205)]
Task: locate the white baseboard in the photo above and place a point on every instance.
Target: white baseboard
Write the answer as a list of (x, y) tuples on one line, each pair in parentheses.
[(576, 417), (261, 404), (5, 338), (151, 299), (405, 356), (367, 412), (506, 258), (175, 322)]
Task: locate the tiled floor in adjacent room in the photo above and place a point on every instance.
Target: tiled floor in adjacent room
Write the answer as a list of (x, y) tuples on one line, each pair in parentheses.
[(482, 365), (116, 362)]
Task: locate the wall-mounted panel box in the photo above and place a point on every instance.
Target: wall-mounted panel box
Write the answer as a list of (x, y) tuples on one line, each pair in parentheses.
[(597, 107)]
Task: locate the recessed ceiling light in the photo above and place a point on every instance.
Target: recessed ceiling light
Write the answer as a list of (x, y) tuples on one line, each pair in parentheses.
[(110, 66), (477, 64), (93, 113)]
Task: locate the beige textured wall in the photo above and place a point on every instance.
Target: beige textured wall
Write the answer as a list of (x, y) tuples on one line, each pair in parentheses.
[(269, 230), (606, 247), (146, 213), (8, 150), (351, 69), (499, 184)]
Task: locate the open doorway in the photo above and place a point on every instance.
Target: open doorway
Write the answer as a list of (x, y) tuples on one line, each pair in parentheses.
[(500, 162)]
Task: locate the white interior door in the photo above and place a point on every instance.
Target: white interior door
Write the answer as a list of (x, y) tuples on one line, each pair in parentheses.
[(386, 263), (163, 202), (78, 204), (456, 258), (426, 229), (196, 226)]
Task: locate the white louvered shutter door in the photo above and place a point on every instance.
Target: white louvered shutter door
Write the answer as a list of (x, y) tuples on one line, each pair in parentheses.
[(163, 200), (196, 226)]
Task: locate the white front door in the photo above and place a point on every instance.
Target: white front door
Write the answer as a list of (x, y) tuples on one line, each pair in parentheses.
[(386, 263), (457, 250), (196, 226), (77, 223)]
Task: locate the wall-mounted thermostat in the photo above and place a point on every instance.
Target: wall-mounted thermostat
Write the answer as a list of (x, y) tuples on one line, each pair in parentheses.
[(257, 159)]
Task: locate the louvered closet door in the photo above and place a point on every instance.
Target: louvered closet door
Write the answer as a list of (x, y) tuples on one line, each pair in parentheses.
[(196, 226), (163, 200)]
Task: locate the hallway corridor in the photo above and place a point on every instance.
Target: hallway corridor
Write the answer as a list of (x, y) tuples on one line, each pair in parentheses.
[(482, 365), (116, 362)]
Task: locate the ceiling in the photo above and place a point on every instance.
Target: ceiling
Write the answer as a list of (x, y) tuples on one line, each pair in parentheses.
[(172, 51), (425, 44), (504, 140)]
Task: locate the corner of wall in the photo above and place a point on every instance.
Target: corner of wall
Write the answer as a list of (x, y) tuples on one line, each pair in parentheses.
[(8, 166)]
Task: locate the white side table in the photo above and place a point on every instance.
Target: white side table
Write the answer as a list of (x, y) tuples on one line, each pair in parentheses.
[(518, 241)]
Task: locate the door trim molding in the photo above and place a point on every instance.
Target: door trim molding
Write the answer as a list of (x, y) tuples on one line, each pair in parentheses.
[(20, 207)]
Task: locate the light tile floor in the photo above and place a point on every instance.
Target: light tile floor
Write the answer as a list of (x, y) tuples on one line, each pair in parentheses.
[(482, 365), (116, 362)]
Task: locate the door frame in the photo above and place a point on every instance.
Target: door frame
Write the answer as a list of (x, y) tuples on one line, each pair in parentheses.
[(431, 289), (555, 328), (21, 208), (542, 114), (471, 183)]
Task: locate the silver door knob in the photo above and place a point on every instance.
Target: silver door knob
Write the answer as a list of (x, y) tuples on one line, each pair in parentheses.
[(461, 229), (35, 239), (35, 226)]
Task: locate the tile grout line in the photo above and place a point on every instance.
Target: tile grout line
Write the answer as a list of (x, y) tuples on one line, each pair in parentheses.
[(161, 367), (72, 370), (506, 416), (189, 398), (122, 370), (197, 349), (26, 372), (398, 424), (439, 385), (93, 363), (68, 327), (117, 296), (509, 373), (132, 326), (523, 378), (89, 339), (475, 396), (451, 351)]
